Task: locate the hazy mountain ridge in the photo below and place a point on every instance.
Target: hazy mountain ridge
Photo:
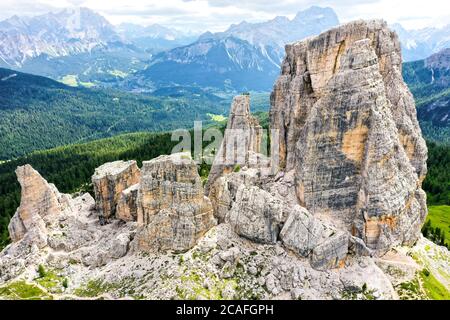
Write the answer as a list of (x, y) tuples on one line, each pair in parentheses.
[(154, 38), (270, 37), (80, 47), (421, 43), (247, 56), (228, 63), (81, 44), (54, 34)]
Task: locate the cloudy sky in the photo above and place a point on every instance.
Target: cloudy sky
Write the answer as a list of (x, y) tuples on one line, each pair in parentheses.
[(217, 15)]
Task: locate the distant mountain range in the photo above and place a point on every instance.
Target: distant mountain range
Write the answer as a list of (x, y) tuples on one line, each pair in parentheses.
[(54, 34), (245, 57), (227, 64), (81, 48), (420, 44), (429, 81), (270, 37)]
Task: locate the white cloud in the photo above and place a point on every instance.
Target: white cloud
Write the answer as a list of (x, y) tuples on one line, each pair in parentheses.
[(217, 15)]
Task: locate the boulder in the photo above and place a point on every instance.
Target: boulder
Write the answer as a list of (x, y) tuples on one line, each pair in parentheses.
[(302, 232), (256, 215), (331, 253), (223, 191)]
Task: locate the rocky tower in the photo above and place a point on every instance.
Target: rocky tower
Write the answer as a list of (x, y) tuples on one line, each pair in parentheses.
[(40, 204), (349, 130), (172, 211), (243, 136), (109, 181)]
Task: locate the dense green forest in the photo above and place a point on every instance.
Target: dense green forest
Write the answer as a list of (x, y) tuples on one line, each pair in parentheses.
[(431, 90), (38, 113), (437, 183)]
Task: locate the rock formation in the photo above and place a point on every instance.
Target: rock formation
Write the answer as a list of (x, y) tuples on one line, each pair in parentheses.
[(39, 205), (243, 135), (346, 191), (173, 213), (256, 215), (109, 181), (349, 131), (126, 208), (48, 221)]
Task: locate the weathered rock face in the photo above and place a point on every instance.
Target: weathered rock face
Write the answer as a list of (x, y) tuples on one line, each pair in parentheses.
[(224, 190), (173, 213), (302, 232), (40, 203), (109, 181), (256, 215), (242, 140), (126, 209), (349, 130), (50, 227)]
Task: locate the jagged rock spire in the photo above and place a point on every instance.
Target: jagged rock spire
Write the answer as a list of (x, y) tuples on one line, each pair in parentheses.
[(243, 136), (349, 129), (40, 203)]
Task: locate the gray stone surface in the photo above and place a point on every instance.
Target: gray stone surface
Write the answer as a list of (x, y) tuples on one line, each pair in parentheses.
[(40, 203), (173, 213), (256, 215), (241, 142), (350, 132), (109, 181), (331, 252), (302, 232), (126, 208)]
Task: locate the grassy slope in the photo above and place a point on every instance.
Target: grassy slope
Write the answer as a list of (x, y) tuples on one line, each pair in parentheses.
[(433, 288), (440, 217)]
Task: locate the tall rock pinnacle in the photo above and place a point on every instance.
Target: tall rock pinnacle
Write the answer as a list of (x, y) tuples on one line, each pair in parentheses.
[(243, 136), (349, 130), (39, 205)]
